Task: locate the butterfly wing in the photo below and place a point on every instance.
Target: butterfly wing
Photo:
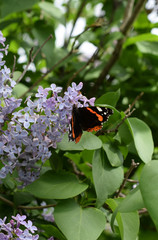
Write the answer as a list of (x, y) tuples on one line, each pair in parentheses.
[(75, 130), (87, 119), (92, 118)]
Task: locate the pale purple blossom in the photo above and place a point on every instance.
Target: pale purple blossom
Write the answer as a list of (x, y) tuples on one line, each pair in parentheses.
[(2, 39), (32, 131), (42, 92), (26, 119), (18, 229), (47, 213), (30, 227)]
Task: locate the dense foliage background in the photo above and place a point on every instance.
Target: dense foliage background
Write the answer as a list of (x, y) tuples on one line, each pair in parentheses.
[(110, 47)]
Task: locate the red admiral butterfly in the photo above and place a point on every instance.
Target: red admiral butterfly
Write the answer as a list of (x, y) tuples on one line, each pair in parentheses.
[(87, 119)]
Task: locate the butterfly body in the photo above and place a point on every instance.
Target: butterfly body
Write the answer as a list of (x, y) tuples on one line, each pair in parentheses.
[(87, 119)]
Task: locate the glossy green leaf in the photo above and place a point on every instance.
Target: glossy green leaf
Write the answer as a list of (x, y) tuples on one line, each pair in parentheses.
[(110, 98), (22, 198), (20, 89), (83, 161), (77, 223), (114, 154), (50, 230), (142, 37), (149, 189), (148, 235), (56, 186), (107, 179), (88, 141), (12, 6), (52, 11), (125, 133), (132, 202), (113, 37), (148, 47), (128, 223), (142, 137)]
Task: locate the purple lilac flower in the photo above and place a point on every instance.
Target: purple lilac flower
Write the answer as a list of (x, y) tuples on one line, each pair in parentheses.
[(15, 229), (2, 39), (34, 129), (47, 213)]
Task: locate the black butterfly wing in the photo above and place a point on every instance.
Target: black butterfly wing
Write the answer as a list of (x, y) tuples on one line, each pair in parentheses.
[(92, 118), (87, 119), (75, 130)]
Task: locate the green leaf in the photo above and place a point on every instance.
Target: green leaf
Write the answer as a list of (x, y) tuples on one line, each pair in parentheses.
[(146, 235), (142, 37), (11, 6), (5, 209), (4, 24), (142, 22), (148, 47), (149, 189), (82, 161), (110, 38), (42, 34), (16, 75), (107, 179), (77, 223), (20, 89), (88, 141), (51, 230), (142, 139), (125, 133), (22, 198), (128, 222), (52, 11), (110, 98), (114, 154), (132, 202), (56, 186)]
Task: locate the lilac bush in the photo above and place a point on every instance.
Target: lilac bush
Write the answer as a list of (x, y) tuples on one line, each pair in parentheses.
[(18, 228), (27, 133)]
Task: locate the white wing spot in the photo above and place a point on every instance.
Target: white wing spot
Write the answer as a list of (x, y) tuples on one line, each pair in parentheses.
[(99, 109)]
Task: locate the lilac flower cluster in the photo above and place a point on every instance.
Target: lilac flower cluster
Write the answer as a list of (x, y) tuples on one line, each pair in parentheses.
[(26, 135), (18, 229)]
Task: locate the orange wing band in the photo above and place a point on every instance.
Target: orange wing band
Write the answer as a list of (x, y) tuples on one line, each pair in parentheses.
[(100, 118)]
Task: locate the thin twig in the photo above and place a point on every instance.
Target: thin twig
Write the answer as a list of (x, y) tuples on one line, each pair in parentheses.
[(88, 164), (102, 132), (10, 203), (80, 9), (142, 211), (119, 124), (134, 15), (128, 13), (132, 181), (116, 53), (128, 113), (35, 207), (133, 103), (45, 74), (75, 168), (72, 50), (132, 167), (13, 69), (83, 67), (32, 58)]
